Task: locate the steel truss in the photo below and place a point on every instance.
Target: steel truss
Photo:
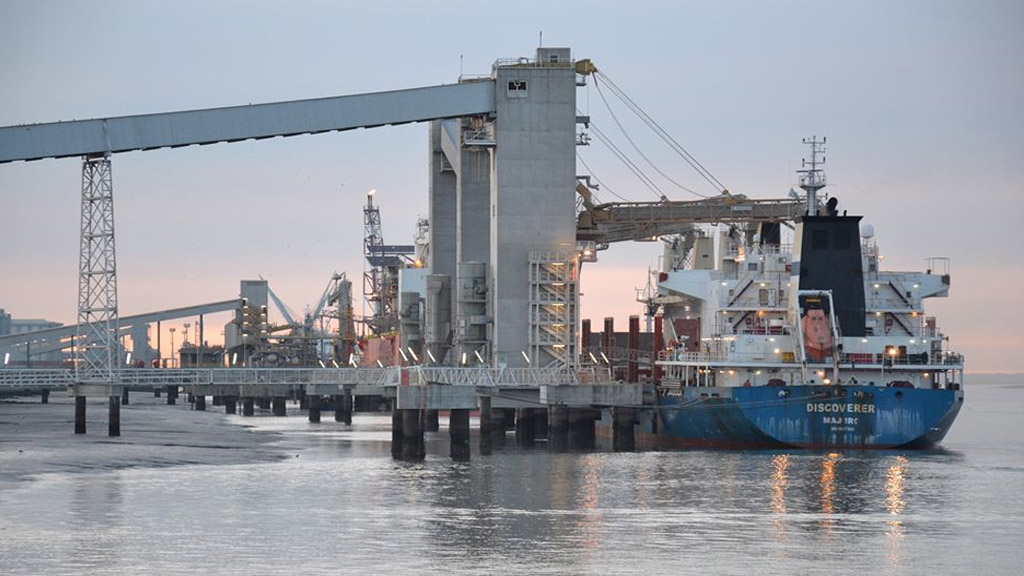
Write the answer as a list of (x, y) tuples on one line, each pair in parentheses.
[(96, 349)]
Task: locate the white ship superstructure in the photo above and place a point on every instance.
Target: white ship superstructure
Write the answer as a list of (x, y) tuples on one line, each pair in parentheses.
[(735, 310)]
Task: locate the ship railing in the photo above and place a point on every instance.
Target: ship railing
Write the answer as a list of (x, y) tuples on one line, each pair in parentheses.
[(723, 357)]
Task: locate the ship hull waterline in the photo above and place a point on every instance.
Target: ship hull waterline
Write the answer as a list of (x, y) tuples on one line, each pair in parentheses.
[(806, 417)]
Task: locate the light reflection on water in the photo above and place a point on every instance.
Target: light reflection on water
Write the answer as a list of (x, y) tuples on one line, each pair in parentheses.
[(339, 504)]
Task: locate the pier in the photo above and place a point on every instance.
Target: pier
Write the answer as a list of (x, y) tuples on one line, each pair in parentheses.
[(555, 406)]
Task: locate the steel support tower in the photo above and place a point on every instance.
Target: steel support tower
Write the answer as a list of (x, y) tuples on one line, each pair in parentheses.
[(96, 338)]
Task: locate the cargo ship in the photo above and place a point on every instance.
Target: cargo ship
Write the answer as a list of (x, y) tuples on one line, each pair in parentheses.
[(806, 344)]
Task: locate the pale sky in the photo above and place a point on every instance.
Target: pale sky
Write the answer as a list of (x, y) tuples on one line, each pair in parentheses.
[(921, 102)]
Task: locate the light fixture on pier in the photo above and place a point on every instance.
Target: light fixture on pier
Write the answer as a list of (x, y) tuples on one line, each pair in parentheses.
[(525, 356), (404, 357), (478, 356), (412, 353), (431, 356)]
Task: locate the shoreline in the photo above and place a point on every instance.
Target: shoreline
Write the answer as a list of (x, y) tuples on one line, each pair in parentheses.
[(38, 438)]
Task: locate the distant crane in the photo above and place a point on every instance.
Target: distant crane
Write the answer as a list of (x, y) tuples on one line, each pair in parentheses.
[(380, 281)]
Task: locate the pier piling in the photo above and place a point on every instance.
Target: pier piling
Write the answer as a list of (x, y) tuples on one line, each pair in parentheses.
[(412, 435), (79, 414), (45, 396), (581, 429), (458, 431), (230, 404), (278, 405), (114, 419), (485, 425), (397, 435), (314, 407), (124, 396), (623, 437), (248, 407), (431, 422), (558, 428), (200, 402), (172, 395), (525, 427)]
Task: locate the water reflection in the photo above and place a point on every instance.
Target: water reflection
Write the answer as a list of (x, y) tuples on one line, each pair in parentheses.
[(895, 477), (780, 465), (590, 519), (828, 490)]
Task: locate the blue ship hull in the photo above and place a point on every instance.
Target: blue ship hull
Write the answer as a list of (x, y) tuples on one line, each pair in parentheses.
[(805, 417)]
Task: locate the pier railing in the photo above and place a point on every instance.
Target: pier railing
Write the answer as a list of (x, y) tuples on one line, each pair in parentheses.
[(33, 378)]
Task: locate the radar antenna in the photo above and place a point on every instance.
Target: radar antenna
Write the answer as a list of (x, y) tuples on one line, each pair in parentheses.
[(812, 179)]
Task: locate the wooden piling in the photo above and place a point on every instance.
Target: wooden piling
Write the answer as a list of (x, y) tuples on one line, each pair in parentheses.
[(248, 407), (278, 406), (200, 402), (45, 396), (124, 396), (172, 395), (230, 404)]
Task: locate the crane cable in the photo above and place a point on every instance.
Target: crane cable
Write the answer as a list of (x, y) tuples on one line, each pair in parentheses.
[(665, 136), (637, 148), (598, 180), (647, 181)]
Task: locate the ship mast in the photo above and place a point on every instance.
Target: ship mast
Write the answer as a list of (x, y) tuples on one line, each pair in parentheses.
[(813, 179)]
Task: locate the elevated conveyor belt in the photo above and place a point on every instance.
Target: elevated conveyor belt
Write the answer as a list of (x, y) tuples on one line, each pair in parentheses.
[(619, 222), (173, 129), (59, 338)]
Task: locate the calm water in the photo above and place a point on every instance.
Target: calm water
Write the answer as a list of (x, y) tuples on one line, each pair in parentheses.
[(339, 504)]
